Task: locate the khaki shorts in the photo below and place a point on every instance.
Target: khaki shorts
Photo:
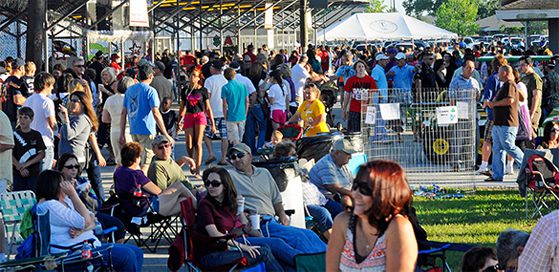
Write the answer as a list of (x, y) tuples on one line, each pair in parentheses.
[(487, 134), (235, 131), (145, 141)]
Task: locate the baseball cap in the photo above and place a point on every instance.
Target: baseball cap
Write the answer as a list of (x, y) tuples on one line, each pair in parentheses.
[(381, 56), (159, 139), (99, 54), (235, 66), (159, 65), (400, 56), (18, 62), (143, 62), (241, 148), (217, 64), (343, 145), (115, 56)]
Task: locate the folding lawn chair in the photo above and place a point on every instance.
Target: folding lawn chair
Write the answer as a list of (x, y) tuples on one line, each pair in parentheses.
[(160, 227), (13, 206), (183, 250), (542, 181), (434, 259), (310, 262)]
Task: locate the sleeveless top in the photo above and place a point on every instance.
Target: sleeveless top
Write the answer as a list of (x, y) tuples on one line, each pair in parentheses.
[(375, 261)]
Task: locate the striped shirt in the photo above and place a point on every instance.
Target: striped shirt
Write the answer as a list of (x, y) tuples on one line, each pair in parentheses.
[(541, 252)]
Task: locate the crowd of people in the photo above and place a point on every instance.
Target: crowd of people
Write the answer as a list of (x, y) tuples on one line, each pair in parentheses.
[(54, 126)]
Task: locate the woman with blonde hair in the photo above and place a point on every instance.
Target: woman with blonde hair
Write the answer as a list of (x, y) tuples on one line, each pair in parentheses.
[(111, 115)]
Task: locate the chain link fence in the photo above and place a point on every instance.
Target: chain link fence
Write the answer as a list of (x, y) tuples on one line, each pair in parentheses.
[(432, 133)]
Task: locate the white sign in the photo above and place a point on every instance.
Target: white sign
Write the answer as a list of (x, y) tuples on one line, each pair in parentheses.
[(463, 110), (269, 16), (371, 116), (139, 13), (447, 115), (390, 111)]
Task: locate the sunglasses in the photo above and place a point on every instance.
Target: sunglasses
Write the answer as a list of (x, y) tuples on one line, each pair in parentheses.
[(79, 66), (164, 146), (554, 129), (363, 188), (75, 166), (214, 183), (239, 155), (75, 100)]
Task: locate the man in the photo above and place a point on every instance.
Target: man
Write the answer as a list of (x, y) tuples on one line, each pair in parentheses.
[(476, 74), (357, 89), (163, 170), (382, 84), (78, 65), (534, 85), (426, 78), (463, 88), (509, 246), (505, 126), (16, 91), (541, 252), (402, 78), (44, 120), (262, 196), (214, 84), (6, 146), (98, 66), (235, 106), (550, 98), (141, 105), (299, 75), (161, 84), (331, 174)]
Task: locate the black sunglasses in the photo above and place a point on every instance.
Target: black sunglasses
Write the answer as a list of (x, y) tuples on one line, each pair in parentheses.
[(79, 66), (214, 183), (234, 156), (75, 166), (363, 188), (554, 129)]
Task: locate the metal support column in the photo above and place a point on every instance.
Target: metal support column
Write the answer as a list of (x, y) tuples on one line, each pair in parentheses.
[(178, 30), (303, 36)]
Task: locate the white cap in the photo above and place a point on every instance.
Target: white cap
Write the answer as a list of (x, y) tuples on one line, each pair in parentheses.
[(381, 56), (400, 55)]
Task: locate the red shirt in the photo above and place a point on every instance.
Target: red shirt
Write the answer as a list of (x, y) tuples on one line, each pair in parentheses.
[(187, 60), (359, 89)]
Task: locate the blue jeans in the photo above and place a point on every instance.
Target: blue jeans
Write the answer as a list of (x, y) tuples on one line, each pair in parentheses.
[(303, 240), (46, 163), (255, 120), (219, 258), (124, 257), (503, 141), (94, 175), (283, 252), (323, 215)]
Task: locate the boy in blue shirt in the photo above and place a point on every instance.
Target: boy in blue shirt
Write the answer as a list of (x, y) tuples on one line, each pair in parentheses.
[(235, 106)]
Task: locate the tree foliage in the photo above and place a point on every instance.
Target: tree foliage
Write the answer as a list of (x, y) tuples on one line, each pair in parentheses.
[(421, 7), (458, 16), (376, 6), (487, 8)]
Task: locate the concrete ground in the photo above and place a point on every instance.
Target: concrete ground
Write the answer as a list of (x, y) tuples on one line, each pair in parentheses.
[(158, 261)]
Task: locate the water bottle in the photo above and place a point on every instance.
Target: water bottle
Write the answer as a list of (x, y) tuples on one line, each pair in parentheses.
[(138, 194), (86, 250), (98, 228)]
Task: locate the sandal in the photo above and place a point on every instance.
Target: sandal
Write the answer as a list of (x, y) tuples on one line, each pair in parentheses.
[(222, 163), (209, 160)]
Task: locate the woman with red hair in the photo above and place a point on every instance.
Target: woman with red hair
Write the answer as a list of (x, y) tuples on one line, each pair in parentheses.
[(377, 235)]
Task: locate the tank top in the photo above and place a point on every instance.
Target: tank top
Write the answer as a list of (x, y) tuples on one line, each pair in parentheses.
[(375, 261)]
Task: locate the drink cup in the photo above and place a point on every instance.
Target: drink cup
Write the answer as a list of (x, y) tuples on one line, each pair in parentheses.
[(254, 221)]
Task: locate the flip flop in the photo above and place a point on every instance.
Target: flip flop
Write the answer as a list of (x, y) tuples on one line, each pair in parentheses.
[(209, 160)]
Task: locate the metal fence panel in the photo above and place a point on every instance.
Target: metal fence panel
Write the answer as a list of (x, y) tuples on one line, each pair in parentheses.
[(427, 131)]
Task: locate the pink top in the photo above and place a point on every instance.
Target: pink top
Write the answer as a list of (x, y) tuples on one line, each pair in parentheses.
[(375, 261)]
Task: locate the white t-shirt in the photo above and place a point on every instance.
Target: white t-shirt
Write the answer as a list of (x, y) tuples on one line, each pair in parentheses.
[(6, 137), (279, 96), (214, 84), (62, 218), (299, 75), (114, 107), (43, 108), (246, 81)]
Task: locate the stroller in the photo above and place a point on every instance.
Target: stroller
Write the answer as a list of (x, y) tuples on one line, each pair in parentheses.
[(329, 96)]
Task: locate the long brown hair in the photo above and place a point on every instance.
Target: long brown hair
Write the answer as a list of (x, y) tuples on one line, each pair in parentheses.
[(391, 193), (88, 108), (229, 191)]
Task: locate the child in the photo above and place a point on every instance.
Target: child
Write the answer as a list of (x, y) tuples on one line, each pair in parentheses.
[(170, 119), (29, 151)]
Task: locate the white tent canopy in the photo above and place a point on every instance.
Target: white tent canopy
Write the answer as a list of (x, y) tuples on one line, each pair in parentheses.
[(382, 26)]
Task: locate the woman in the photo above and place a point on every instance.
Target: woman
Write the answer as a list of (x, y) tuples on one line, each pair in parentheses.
[(68, 165), (71, 223), (219, 214), (278, 95), (108, 79), (111, 114), (377, 235), (79, 121), (195, 105), (550, 136), (128, 178), (312, 112)]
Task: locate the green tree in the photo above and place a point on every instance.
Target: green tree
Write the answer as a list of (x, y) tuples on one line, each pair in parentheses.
[(458, 16), (421, 7), (376, 6), (487, 8)]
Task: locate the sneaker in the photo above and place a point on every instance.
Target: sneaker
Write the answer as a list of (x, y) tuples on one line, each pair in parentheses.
[(485, 172), (509, 172), (491, 179)]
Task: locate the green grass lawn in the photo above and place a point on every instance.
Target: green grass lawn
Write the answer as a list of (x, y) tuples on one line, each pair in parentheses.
[(476, 219)]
